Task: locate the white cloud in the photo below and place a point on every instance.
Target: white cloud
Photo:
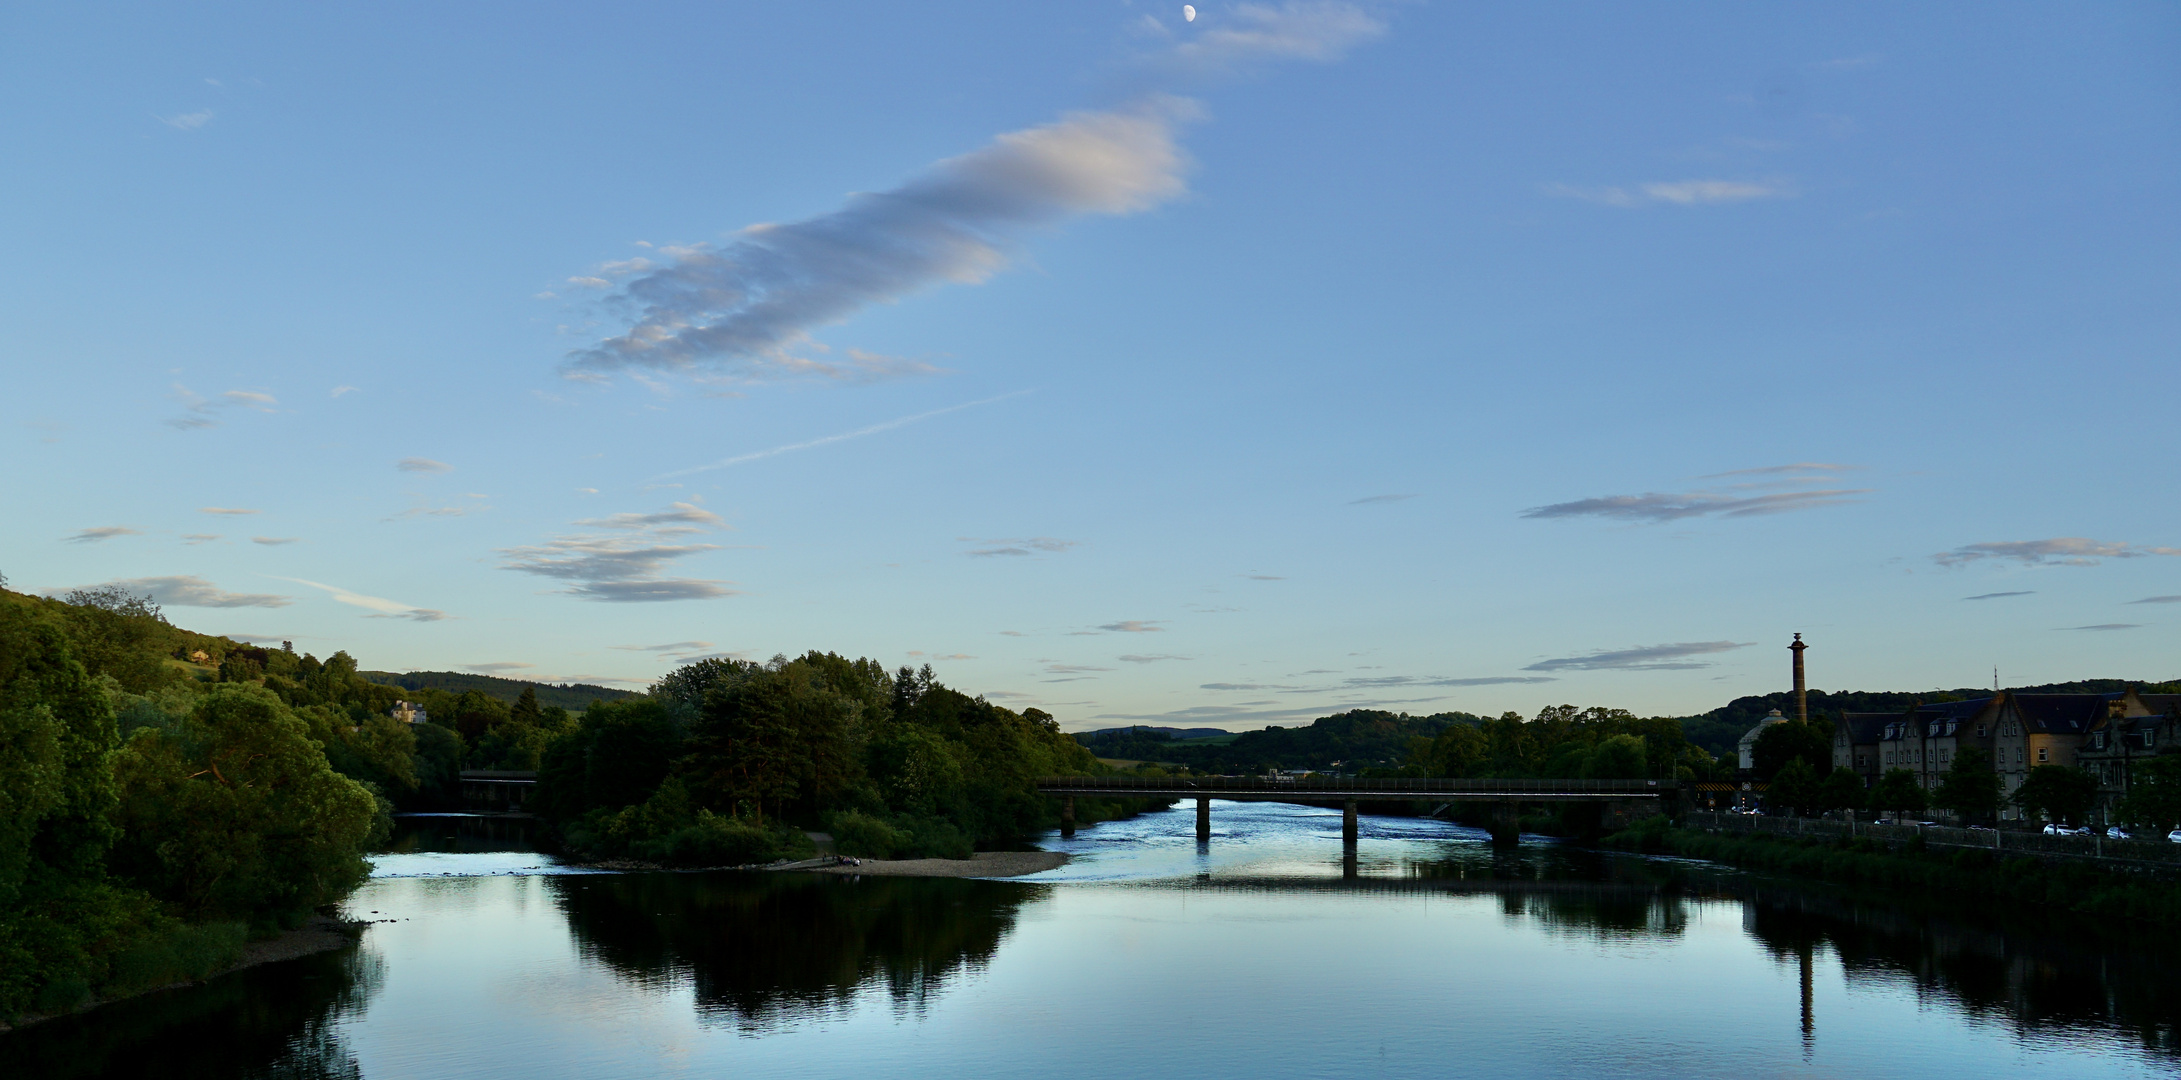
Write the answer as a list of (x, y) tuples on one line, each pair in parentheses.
[(379, 606), (423, 465), (202, 413), (274, 541), (192, 121), (340, 390), (1676, 192)]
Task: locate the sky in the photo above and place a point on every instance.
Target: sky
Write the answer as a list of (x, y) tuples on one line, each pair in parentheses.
[(1237, 371)]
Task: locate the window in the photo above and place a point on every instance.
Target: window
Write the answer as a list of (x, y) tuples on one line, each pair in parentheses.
[(2018, 755), (2147, 737), (2042, 754), (1980, 731), (2097, 742)]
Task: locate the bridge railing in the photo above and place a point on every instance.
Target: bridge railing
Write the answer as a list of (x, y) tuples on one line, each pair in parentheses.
[(1390, 787)]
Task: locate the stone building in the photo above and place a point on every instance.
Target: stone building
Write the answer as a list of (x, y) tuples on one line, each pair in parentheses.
[(2135, 727)]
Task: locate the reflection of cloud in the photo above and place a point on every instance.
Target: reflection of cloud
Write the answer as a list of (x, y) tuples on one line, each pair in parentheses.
[(1134, 626), (1997, 595), (103, 532), (2058, 551), (192, 591), (1643, 658), (1775, 489), (379, 606), (423, 465), (628, 567)]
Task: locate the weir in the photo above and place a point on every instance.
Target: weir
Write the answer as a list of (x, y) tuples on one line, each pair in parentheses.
[(1623, 800)]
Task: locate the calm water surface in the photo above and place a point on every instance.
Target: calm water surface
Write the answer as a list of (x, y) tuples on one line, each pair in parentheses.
[(1258, 955)]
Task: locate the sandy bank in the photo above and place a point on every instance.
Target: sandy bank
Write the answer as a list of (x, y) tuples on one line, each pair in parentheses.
[(982, 864)]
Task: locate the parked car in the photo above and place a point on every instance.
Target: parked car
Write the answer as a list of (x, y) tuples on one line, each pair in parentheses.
[(2062, 830), (2117, 833), (2174, 836)]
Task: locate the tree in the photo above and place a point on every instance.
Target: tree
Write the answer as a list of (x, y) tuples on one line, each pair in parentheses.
[(1618, 758), (525, 710), (2057, 793), (2154, 793), (1840, 790), (1971, 788), (115, 632), (1898, 791), (1782, 743), (1794, 788)]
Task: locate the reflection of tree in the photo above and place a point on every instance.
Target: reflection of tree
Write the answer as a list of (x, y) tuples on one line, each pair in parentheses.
[(276, 1021), (765, 950), (2037, 976)]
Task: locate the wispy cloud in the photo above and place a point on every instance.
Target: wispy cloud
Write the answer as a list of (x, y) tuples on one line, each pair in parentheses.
[(1775, 489), (669, 647), (874, 429), (423, 465), (627, 566), (747, 309), (2158, 600), (1369, 499), (919, 654), (340, 390), (190, 121), (1029, 546), (224, 510), (194, 539), (379, 606), (2107, 626), (103, 532), (2058, 551), (1997, 595), (192, 591), (500, 667), (1677, 192), (1675, 657), (1135, 626), (201, 412), (1151, 658), (274, 541)]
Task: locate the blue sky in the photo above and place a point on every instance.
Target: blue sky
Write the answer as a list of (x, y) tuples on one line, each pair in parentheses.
[(1300, 357)]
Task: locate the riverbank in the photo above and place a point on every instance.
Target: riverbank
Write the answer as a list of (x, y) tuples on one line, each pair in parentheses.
[(2074, 888), (984, 864), (321, 934)]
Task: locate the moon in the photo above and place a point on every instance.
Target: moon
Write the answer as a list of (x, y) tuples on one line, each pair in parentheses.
[(1188, 13)]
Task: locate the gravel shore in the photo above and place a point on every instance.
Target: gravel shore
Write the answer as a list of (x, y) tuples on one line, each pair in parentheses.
[(984, 864)]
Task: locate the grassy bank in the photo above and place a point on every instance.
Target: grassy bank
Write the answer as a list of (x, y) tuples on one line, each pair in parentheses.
[(2062, 889)]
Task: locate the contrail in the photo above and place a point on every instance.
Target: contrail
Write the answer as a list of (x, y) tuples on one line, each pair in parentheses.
[(842, 437)]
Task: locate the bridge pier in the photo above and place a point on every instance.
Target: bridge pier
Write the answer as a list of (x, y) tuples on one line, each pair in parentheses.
[(1067, 815), (1348, 825), (1506, 824), (1204, 817)]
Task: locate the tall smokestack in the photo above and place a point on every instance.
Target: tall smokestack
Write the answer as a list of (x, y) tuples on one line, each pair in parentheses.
[(1802, 693)]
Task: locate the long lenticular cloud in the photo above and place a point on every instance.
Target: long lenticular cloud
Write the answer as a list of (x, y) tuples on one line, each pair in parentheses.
[(747, 308)]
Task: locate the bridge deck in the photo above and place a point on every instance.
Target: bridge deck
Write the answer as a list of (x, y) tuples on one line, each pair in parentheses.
[(1315, 789)]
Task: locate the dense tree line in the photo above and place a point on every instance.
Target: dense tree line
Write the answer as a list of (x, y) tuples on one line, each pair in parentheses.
[(729, 761), (150, 819)]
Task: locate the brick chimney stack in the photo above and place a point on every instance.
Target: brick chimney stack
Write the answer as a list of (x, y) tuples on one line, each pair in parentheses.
[(1802, 693)]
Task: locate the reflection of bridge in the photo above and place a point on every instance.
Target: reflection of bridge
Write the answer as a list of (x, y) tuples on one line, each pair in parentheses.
[(1622, 800), (497, 791)]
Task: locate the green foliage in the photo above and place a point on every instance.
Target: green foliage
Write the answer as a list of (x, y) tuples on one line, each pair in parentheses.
[(235, 813), (1619, 757), (1779, 744), (2154, 793), (1562, 741), (671, 830), (1795, 787), (2057, 793), (1970, 787), (1898, 791), (434, 686), (1840, 790)]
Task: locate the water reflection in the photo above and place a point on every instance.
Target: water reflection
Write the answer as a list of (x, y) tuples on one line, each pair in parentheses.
[(765, 950), (275, 1022)]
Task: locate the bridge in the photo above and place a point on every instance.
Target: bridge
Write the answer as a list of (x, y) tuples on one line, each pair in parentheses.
[(1622, 800)]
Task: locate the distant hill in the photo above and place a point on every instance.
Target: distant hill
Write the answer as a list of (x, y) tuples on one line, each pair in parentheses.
[(1178, 734), (574, 697)]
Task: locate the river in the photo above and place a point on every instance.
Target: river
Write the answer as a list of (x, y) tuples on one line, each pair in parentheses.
[(1258, 955)]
